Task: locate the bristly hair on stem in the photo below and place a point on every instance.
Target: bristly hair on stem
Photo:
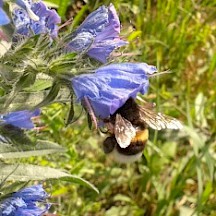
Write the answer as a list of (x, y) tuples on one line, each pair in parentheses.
[(160, 73)]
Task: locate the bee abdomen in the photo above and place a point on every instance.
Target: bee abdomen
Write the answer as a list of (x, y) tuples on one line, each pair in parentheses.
[(133, 149), (137, 144)]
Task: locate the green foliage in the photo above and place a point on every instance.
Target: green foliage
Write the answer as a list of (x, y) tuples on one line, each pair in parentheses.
[(33, 73), (177, 173), (26, 150), (25, 172)]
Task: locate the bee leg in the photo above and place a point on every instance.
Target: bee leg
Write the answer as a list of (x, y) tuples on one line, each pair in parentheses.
[(109, 144)]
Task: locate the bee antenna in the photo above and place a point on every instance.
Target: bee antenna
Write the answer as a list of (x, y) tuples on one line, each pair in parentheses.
[(160, 73)]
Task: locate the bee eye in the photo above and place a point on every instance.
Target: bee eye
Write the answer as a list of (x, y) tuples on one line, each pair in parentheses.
[(109, 144)]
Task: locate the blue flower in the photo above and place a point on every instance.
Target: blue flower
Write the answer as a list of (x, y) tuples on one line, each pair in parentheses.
[(21, 119), (26, 5), (110, 86), (47, 23), (98, 35), (25, 202), (4, 19), (33, 193)]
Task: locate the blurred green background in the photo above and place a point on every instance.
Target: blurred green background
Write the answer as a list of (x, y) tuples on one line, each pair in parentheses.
[(176, 175)]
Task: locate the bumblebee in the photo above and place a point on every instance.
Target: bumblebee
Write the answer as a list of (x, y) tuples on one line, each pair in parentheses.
[(128, 129)]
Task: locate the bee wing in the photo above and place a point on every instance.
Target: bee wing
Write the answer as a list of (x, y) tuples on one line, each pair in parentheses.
[(158, 121), (124, 131)]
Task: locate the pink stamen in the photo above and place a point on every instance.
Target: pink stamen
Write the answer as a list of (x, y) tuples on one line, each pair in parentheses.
[(68, 22), (90, 111), (35, 118), (38, 129)]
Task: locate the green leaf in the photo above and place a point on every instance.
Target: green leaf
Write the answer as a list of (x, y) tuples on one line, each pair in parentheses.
[(54, 90), (27, 172), (25, 80), (7, 74), (169, 149), (81, 181), (63, 4), (71, 112), (39, 85), (51, 4), (200, 103), (29, 100), (14, 135), (42, 147), (10, 187), (197, 140), (79, 16)]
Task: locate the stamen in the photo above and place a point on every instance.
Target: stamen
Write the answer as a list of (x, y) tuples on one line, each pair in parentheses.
[(90, 111), (68, 22), (38, 129)]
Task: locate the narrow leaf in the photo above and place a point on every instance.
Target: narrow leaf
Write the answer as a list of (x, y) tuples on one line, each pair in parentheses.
[(71, 112), (42, 147), (51, 95), (27, 172), (29, 100), (81, 181), (39, 85)]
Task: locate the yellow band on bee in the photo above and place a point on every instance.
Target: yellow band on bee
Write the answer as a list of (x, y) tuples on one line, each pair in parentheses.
[(141, 136)]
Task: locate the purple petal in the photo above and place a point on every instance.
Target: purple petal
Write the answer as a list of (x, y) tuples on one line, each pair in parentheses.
[(8, 206), (52, 20), (47, 22), (101, 28), (112, 30), (95, 21), (108, 39), (4, 19), (102, 50), (40, 9), (29, 201), (81, 42), (33, 193), (26, 6), (138, 68), (21, 119), (32, 210)]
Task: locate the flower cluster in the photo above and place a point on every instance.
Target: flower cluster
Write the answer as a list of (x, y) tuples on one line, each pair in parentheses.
[(108, 87), (4, 18), (25, 202), (32, 18), (46, 24)]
